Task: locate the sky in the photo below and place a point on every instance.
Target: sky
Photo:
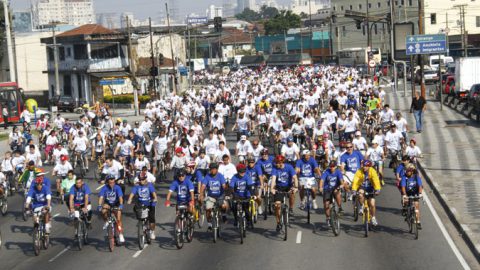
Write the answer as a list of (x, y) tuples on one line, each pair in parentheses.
[(142, 9)]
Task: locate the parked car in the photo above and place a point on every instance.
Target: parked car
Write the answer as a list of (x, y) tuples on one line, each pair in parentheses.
[(430, 76), (66, 103), (473, 97), (449, 85)]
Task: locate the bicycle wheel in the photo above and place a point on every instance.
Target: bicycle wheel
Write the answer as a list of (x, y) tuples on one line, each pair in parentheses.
[(366, 214), (84, 232), (46, 240), (1, 240), (240, 228), (266, 202), (79, 234), (178, 232), (307, 205), (410, 220), (335, 221), (24, 212), (36, 240), (355, 210), (141, 235), (415, 229), (4, 206), (285, 223), (215, 227), (111, 238), (190, 229)]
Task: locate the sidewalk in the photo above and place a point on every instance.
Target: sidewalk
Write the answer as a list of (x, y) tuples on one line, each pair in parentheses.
[(450, 143)]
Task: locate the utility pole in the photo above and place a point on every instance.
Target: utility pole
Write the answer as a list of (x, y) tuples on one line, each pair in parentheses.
[(8, 33), (447, 30), (171, 51), (420, 31), (286, 42), (132, 68), (152, 56), (311, 30), (463, 31), (55, 60), (369, 47), (190, 73)]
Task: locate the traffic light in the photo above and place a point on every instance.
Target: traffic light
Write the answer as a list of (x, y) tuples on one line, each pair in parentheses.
[(161, 60), (358, 24), (217, 24), (154, 71)]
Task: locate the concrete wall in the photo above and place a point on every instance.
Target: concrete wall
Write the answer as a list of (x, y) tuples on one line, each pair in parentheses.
[(442, 7), (161, 45)]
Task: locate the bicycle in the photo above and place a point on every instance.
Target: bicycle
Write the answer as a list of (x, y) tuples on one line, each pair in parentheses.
[(267, 201), (411, 217), (366, 217), (97, 171), (308, 185), (241, 218), (334, 217), (143, 226), (40, 237), (3, 204), (184, 226), (112, 231), (252, 209), (199, 216), (162, 167), (80, 225), (284, 216), (216, 221), (78, 162)]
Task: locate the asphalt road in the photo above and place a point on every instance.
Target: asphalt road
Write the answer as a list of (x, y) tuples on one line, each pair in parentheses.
[(389, 247)]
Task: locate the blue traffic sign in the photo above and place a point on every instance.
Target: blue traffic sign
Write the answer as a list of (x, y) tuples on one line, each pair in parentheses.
[(118, 81), (426, 44)]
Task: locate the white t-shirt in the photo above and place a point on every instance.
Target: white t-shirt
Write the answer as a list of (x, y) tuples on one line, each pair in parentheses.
[(202, 163), (161, 144), (331, 117), (375, 154), (139, 164), (211, 145), (57, 153), (244, 148), (351, 126), (125, 147), (392, 139), (359, 143), (80, 143), (413, 151), (62, 169), (7, 165), (228, 170), (401, 124), (290, 153), (113, 170)]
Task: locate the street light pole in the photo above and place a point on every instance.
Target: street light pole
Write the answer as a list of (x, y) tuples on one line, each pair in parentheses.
[(55, 60), (8, 33)]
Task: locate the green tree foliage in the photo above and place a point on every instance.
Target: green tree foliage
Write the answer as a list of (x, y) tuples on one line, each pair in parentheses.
[(282, 22), (268, 12), (248, 15)]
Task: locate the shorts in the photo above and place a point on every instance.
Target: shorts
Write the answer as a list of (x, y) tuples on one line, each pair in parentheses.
[(370, 192), (278, 197), (151, 213), (128, 159), (210, 202), (328, 195), (413, 193), (38, 210), (308, 182), (348, 177)]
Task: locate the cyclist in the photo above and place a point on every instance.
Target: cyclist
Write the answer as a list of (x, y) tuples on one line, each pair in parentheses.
[(79, 198), (330, 183), (124, 151), (308, 171), (61, 170), (40, 198), (243, 188), (360, 143), (29, 175), (411, 185), (80, 144), (7, 168), (213, 185), (365, 182), (284, 179), (184, 190), (150, 177), (376, 155), (350, 162), (112, 167), (254, 172), (243, 148), (145, 197), (65, 187), (58, 152), (400, 171), (290, 151), (226, 168), (140, 162), (111, 197), (393, 143)]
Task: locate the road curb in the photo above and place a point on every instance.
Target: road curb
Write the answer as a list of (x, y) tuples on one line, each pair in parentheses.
[(463, 229)]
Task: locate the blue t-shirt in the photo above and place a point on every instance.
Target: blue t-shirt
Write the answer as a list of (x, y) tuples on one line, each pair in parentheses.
[(307, 168), (400, 170), (39, 197), (110, 195), (214, 185), (144, 194), (46, 183), (183, 190), (352, 161), (284, 177), (266, 166), (254, 173), (331, 180), (241, 185), (411, 184), (79, 194)]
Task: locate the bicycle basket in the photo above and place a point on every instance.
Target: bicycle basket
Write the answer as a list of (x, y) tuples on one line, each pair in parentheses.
[(141, 212)]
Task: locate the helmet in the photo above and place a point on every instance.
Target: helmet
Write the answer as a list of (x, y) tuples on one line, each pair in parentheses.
[(306, 152), (63, 158), (264, 151), (367, 163), (251, 160), (213, 165), (39, 180), (178, 150), (110, 177), (181, 172), (290, 139), (279, 159), (332, 163), (411, 168), (241, 168)]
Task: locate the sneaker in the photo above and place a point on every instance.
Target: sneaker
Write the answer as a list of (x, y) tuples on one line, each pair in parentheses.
[(374, 221), (419, 225), (350, 198), (328, 222), (260, 210), (209, 226), (279, 227), (360, 210), (121, 239), (315, 206), (105, 226), (302, 206), (152, 235)]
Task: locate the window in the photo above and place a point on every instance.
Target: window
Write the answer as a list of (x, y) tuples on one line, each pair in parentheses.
[(61, 53), (336, 31), (344, 31), (375, 29), (360, 6), (363, 29), (369, 5), (334, 8), (402, 2), (50, 54), (341, 8), (104, 51), (433, 18), (80, 51), (388, 3), (477, 20), (410, 2), (351, 7), (379, 4), (69, 52)]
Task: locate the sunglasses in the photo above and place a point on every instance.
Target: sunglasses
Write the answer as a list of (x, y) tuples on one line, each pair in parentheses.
[(349, 147)]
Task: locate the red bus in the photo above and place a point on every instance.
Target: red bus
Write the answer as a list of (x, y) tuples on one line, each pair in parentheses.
[(11, 97)]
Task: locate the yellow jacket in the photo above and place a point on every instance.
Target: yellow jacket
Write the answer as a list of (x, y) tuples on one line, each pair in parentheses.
[(360, 177)]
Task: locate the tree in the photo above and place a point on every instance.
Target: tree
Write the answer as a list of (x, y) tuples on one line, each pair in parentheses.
[(248, 15), (303, 15), (268, 12), (282, 22)]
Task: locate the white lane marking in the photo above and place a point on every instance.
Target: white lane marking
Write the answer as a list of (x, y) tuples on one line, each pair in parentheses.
[(140, 251), (56, 215), (299, 237), (59, 254), (98, 188), (446, 235)]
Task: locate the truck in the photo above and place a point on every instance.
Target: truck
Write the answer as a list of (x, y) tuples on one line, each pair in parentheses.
[(467, 73), (442, 59)]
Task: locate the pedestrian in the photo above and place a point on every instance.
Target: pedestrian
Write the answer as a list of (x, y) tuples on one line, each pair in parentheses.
[(419, 105), (5, 115)]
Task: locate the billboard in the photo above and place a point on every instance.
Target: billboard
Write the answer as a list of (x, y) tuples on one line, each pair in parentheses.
[(400, 33)]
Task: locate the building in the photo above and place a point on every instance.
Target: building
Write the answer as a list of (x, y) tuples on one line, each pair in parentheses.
[(308, 6), (229, 8), (214, 11), (22, 21), (88, 54), (243, 4), (236, 42), (108, 20), (72, 12)]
